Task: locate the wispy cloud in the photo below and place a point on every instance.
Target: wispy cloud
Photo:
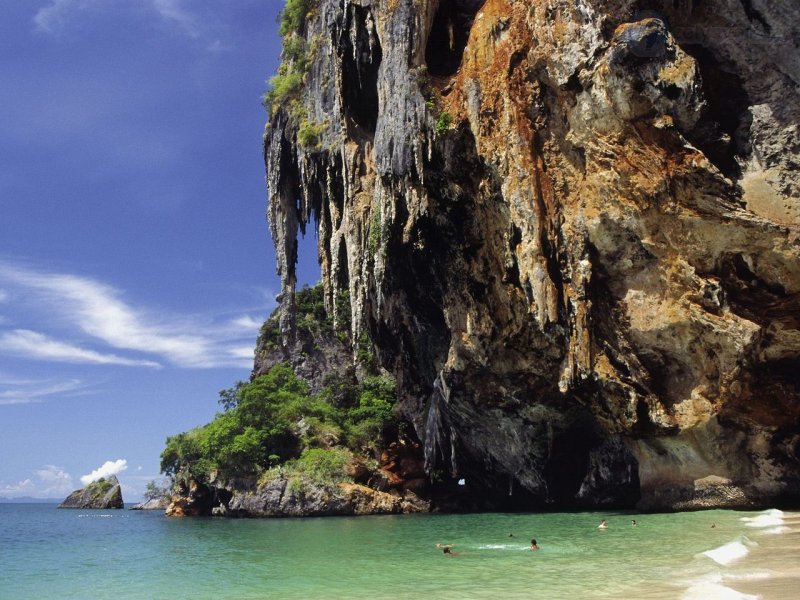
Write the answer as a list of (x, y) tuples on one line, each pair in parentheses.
[(60, 15), (246, 323), (57, 14), (175, 12), (245, 352), (108, 468), (30, 344), (98, 311), (27, 391), (49, 481)]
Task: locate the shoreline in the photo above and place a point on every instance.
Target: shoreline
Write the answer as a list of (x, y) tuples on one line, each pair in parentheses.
[(773, 563)]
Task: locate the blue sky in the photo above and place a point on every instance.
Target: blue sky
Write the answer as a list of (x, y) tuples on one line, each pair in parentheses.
[(135, 261)]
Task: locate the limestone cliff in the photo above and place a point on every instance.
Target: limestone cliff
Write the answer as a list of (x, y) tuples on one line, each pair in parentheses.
[(571, 231)]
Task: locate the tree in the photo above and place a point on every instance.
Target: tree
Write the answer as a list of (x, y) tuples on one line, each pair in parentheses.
[(156, 491)]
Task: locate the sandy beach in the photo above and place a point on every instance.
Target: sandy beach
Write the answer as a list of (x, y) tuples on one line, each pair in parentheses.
[(771, 570)]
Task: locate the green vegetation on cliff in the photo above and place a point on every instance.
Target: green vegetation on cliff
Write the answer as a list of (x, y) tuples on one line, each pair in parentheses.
[(286, 84), (274, 419), (274, 424), (311, 318)]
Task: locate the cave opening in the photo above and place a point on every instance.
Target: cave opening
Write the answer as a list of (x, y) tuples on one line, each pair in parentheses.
[(724, 126), (449, 35), (361, 55), (342, 275)]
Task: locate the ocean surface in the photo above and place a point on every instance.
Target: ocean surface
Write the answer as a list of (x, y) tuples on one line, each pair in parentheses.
[(94, 554)]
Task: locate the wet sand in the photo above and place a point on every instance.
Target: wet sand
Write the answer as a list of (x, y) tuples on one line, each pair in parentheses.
[(773, 565)]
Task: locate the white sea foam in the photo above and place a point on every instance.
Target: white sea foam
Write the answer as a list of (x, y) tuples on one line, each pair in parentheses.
[(777, 530), (714, 591), (727, 554), (501, 547), (769, 518), (751, 576)]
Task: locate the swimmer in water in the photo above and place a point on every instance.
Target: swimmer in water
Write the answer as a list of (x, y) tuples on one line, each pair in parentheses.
[(447, 549), (603, 524), (633, 522), (534, 545)]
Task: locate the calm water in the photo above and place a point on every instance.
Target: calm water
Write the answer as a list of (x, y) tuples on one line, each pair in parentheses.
[(49, 553)]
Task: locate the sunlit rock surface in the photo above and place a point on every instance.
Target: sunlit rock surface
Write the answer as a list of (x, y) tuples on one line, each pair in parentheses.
[(103, 493), (570, 229)]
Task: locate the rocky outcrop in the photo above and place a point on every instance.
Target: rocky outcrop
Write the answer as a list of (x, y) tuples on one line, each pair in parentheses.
[(571, 231), (152, 504), (103, 493), (196, 499), (280, 498), (397, 485), (318, 348)]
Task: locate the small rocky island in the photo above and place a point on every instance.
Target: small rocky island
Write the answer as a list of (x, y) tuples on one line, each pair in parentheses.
[(103, 493)]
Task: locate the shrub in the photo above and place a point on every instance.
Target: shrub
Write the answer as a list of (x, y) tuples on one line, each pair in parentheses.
[(309, 133), (294, 50), (443, 123), (367, 422), (293, 16), (321, 466), (365, 354), (282, 87)]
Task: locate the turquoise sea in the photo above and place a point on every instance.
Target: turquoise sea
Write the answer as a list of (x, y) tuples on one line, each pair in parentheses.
[(94, 554)]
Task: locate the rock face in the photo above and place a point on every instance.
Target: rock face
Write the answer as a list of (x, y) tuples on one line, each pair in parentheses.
[(282, 498), (278, 499), (397, 485), (571, 230), (103, 493), (195, 499), (152, 504), (314, 352)]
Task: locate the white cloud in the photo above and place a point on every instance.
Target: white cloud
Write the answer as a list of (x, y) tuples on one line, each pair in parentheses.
[(107, 469), (56, 16), (98, 311), (26, 487), (247, 323), (54, 480), (51, 482), (23, 342), (173, 11), (25, 392), (242, 352), (60, 15), (3, 295)]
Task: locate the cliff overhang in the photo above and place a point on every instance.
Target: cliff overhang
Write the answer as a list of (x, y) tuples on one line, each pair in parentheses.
[(570, 231)]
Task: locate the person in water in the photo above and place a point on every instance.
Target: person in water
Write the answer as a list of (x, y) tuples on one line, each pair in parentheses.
[(534, 545), (603, 524), (448, 549), (633, 522)]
